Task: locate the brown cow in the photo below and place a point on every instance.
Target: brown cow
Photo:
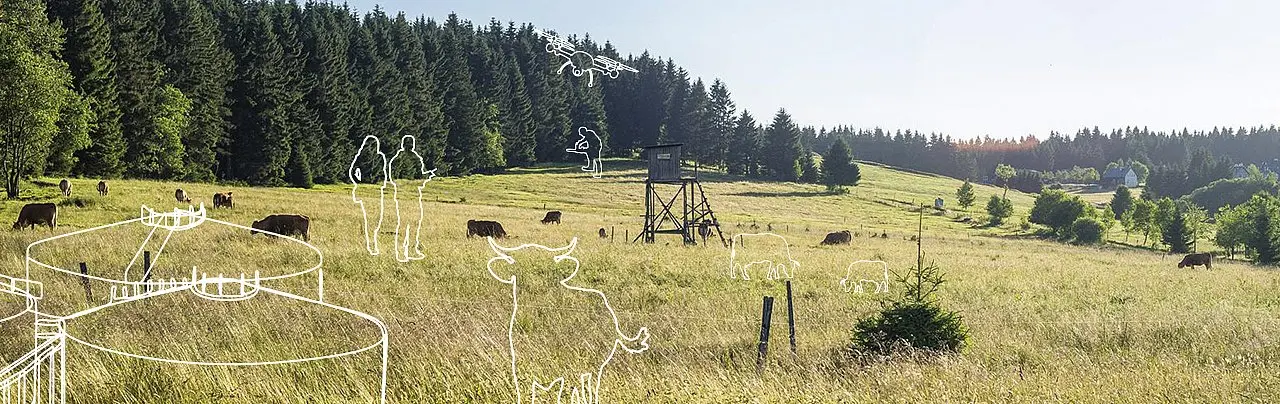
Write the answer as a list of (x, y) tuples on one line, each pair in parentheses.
[(551, 217), (223, 200), (286, 225), (102, 188), (33, 214), (1192, 260), (839, 237), (704, 229), (181, 196), (603, 234), (485, 228), (65, 186)]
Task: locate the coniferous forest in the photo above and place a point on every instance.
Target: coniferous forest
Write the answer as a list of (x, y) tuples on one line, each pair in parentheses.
[(280, 93)]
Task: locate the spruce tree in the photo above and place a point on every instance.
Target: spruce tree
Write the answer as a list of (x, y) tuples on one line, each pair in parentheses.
[(838, 168), (88, 54), (200, 67), (1121, 202), (719, 128), (809, 172), (261, 110), (1176, 234), (1265, 241), (965, 196), (744, 146), (462, 106), (518, 125), (135, 27), (782, 147), (326, 45)]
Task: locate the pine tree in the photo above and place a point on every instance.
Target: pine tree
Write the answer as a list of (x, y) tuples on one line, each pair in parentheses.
[(719, 123), (838, 168), (326, 45), (302, 127), (462, 107), (782, 147), (1176, 234), (809, 171), (965, 195), (135, 27), (260, 113), (1265, 241), (699, 138), (200, 67), (651, 99), (518, 125), (88, 54), (744, 146), (1121, 202)]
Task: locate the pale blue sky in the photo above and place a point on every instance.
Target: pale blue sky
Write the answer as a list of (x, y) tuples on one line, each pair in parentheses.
[(966, 68)]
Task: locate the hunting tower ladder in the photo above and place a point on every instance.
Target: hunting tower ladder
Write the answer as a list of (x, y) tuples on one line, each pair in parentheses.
[(689, 199)]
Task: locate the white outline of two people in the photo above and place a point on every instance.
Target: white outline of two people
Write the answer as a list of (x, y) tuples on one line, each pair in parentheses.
[(405, 230)]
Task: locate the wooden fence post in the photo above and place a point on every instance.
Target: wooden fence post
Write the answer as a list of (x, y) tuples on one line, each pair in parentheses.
[(84, 280), (791, 319), (766, 314), (146, 270)]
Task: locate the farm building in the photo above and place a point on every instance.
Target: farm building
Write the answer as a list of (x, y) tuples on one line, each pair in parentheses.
[(1115, 177)]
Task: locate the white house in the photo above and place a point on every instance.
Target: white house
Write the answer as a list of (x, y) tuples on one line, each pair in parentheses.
[(1115, 177)]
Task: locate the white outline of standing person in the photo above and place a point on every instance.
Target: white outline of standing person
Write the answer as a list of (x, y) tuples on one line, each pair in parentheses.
[(355, 175), (407, 250), (583, 147)]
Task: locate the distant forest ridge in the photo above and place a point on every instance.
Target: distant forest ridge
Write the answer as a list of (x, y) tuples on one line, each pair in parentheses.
[(280, 93)]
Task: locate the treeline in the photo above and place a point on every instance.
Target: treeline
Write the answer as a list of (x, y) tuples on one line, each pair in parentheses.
[(281, 93), (1184, 160)]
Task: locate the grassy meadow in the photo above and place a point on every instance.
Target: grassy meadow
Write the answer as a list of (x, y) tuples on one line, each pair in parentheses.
[(1048, 321)]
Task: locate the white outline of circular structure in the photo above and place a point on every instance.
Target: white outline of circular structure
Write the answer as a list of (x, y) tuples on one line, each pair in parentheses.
[(776, 270), (157, 220), (882, 286)]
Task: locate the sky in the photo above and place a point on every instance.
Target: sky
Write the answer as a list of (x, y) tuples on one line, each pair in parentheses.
[(966, 68)]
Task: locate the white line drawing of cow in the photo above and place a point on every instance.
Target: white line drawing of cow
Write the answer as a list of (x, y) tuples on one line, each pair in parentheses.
[(369, 171), (584, 147), (408, 243), (587, 388), (881, 285), (777, 260)]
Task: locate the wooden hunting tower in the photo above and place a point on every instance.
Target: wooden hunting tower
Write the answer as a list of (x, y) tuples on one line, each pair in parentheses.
[(695, 219)]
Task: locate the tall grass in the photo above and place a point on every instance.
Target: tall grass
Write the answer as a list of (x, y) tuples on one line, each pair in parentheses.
[(1049, 322)]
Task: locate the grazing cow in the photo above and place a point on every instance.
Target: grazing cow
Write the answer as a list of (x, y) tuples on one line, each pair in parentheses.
[(181, 196), (485, 228), (223, 200), (102, 188), (65, 186), (768, 250), (1192, 260), (551, 217), (603, 234), (285, 225), (33, 214), (704, 230), (569, 368), (839, 237), (878, 278)]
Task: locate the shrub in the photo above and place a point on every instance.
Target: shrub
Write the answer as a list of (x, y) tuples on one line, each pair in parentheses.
[(998, 209), (1087, 230), (919, 325), (1059, 211)]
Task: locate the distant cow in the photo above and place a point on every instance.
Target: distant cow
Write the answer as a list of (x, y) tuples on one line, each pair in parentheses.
[(285, 225), (33, 214), (704, 230), (485, 228), (603, 234), (65, 186), (181, 195), (767, 250), (551, 217), (591, 344), (222, 200), (102, 188), (840, 237), (1192, 260)]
